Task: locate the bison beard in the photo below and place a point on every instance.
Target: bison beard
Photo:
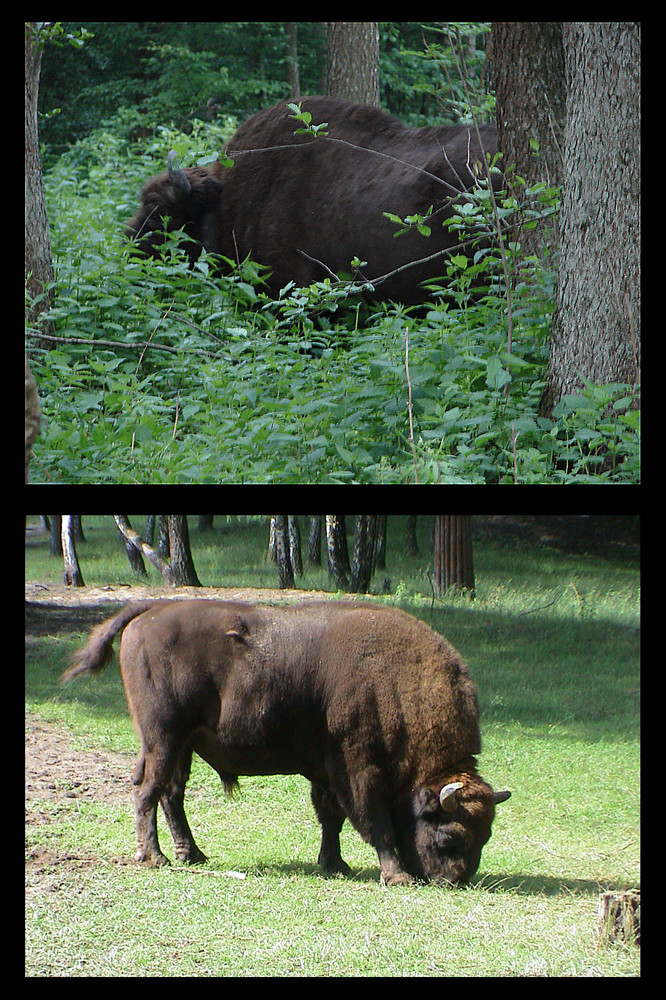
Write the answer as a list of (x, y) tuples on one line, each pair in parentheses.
[(375, 709), (305, 207)]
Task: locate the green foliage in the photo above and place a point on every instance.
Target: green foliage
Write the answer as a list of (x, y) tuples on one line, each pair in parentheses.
[(552, 641), (233, 387)]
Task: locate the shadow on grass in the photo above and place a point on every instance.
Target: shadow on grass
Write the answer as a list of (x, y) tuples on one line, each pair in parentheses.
[(545, 885), (518, 884)]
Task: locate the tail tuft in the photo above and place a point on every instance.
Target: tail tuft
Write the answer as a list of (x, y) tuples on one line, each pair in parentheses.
[(99, 649)]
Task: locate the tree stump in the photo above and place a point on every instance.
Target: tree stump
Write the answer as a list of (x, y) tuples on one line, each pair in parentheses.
[(620, 917)]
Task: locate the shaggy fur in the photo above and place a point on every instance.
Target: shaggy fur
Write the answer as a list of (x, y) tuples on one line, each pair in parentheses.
[(306, 207), (369, 704)]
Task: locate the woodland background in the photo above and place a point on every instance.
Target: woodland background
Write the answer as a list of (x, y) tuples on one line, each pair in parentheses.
[(147, 372)]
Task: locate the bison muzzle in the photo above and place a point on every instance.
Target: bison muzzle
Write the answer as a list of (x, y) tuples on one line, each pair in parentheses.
[(375, 709)]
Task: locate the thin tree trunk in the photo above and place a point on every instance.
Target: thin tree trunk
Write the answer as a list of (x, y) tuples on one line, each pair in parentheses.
[(282, 551), (292, 59), (182, 565), (151, 554), (336, 547), (314, 539), (453, 563), (72, 575), (353, 60), (365, 537)]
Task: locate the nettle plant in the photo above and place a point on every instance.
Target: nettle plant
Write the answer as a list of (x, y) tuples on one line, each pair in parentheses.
[(167, 372)]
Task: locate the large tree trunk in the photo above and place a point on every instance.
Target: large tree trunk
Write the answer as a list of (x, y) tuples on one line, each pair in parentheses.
[(38, 267), (596, 328), (527, 68), (353, 60)]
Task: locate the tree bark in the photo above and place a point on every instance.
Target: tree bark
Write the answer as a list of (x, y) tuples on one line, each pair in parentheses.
[(72, 576), (33, 415), (365, 538), (38, 266), (620, 917), (596, 328), (291, 60), (282, 551), (336, 547), (353, 61), (314, 539), (527, 67), (453, 563), (182, 565)]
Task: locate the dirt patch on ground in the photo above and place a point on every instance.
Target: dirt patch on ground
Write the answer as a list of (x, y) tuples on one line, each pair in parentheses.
[(57, 772), (54, 609)]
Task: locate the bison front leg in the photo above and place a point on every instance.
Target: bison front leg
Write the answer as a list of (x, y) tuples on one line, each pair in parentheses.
[(382, 839), (331, 815), (377, 828)]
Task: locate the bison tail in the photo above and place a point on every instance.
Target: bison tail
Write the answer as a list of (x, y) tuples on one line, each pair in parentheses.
[(98, 650)]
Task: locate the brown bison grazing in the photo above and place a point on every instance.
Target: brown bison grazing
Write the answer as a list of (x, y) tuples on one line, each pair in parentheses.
[(375, 709), (306, 206)]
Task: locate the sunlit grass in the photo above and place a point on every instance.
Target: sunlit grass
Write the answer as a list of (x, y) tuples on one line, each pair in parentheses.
[(552, 642)]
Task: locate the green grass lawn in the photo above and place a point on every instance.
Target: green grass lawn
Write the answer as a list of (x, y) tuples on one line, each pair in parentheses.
[(552, 643)]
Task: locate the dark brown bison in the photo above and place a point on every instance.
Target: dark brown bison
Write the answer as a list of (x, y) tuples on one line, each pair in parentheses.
[(372, 707), (305, 206)]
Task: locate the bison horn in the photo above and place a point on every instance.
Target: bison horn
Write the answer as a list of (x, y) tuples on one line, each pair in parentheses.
[(501, 796), (178, 177), (448, 796)]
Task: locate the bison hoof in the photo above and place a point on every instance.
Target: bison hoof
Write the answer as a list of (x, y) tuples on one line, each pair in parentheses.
[(338, 868), (151, 860), (192, 857), (396, 878)]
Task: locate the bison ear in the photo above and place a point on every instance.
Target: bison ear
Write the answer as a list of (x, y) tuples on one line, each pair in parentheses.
[(448, 797), (425, 802), (501, 796), (239, 630)]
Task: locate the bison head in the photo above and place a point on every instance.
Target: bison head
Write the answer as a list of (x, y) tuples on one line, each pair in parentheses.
[(441, 831), (176, 199)]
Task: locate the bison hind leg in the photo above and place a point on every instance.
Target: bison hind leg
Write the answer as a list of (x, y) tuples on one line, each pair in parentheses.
[(172, 801), (331, 815)]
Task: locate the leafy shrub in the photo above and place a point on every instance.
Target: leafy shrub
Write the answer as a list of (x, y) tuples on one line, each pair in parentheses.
[(168, 374)]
